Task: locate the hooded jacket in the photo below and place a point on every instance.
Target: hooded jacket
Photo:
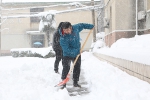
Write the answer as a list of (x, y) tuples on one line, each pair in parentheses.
[(70, 43), (56, 41)]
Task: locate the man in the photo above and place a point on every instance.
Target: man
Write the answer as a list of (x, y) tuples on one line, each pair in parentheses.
[(57, 48), (70, 43)]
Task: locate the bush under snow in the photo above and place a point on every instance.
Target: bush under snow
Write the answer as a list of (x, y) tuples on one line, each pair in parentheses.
[(33, 52)]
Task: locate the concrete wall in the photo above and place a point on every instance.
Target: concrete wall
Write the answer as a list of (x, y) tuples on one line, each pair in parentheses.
[(13, 33), (120, 15), (110, 14), (148, 5), (148, 20), (125, 15), (113, 37), (138, 70)]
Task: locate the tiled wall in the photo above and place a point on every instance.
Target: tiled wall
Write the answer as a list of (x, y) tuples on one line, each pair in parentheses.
[(138, 70)]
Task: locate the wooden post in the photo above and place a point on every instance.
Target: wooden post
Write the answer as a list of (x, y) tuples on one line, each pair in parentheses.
[(136, 17), (93, 20)]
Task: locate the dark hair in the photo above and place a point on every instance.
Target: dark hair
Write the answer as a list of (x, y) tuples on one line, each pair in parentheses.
[(66, 25), (60, 24)]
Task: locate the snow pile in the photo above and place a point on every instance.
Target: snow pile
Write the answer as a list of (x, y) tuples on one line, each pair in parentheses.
[(99, 41), (18, 52), (76, 4), (135, 49), (29, 78), (132, 43)]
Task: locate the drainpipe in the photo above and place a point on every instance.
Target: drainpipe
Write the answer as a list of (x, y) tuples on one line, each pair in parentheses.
[(136, 17)]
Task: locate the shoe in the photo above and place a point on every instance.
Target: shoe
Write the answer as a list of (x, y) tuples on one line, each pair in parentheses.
[(63, 86), (75, 84), (57, 72)]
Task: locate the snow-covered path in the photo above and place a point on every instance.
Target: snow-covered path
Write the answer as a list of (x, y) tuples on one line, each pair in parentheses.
[(34, 79)]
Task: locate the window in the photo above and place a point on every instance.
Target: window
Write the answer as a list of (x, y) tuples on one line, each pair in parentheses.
[(37, 41), (35, 11)]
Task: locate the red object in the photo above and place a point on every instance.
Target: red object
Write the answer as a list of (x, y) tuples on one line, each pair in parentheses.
[(62, 32), (64, 81)]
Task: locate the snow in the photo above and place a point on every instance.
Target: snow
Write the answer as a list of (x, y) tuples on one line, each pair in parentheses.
[(29, 78), (41, 25), (34, 79), (47, 20), (53, 12), (42, 51), (135, 49), (99, 41), (77, 4)]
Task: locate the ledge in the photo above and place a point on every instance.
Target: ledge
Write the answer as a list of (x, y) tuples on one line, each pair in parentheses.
[(138, 70)]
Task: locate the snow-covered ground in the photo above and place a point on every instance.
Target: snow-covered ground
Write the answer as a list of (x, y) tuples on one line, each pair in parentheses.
[(29, 78), (34, 79), (135, 49)]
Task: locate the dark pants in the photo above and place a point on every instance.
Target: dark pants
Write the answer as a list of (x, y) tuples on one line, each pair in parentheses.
[(66, 67), (57, 60)]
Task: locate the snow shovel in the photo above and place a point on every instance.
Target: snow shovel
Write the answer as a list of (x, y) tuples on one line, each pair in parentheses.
[(72, 67)]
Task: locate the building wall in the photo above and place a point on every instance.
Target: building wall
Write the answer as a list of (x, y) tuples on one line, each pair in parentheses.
[(122, 19), (13, 33), (148, 5), (124, 15), (14, 30), (110, 15)]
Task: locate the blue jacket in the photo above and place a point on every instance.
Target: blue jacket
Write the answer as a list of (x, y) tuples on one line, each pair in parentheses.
[(70, 43)]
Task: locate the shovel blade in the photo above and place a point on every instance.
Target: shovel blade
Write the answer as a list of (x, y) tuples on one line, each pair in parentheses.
[(63, 82)]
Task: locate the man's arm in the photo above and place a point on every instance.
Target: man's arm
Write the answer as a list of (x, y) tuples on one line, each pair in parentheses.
[(82, 26)]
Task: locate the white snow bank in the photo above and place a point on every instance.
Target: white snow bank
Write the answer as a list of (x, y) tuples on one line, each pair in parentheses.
[(42, 51), (135, 49), (137, 42), (107, 82), (99, 41)]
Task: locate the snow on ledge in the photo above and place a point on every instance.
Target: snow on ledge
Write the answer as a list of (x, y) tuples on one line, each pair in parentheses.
[(34, 32), (42, 51)]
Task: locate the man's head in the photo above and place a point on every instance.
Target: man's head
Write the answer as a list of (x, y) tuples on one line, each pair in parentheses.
[(60, 24), (66, 27)]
